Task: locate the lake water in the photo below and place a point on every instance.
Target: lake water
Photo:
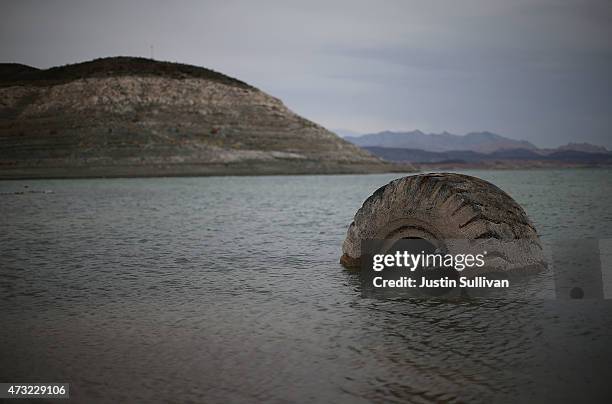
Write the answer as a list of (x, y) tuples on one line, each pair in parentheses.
[(229, 290)]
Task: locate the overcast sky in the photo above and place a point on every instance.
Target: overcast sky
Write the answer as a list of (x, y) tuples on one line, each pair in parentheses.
[(538, 70)]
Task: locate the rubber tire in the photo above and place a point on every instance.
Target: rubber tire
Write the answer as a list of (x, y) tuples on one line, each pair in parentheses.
[(447, 206)]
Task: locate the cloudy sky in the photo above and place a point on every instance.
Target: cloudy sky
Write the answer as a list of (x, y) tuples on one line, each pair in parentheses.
[(539, 70)]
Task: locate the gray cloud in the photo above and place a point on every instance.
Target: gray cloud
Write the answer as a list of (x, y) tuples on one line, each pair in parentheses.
[(528, 69)]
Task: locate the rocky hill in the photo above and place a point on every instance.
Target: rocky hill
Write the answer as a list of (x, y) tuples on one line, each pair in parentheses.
[(138, 117)]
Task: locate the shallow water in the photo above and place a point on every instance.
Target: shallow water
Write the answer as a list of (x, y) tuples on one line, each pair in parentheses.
[(229, 289)]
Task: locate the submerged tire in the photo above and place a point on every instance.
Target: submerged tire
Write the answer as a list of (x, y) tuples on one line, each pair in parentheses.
[(459, 211)]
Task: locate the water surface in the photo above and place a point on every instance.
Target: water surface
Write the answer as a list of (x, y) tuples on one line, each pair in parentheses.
[(229, 290)]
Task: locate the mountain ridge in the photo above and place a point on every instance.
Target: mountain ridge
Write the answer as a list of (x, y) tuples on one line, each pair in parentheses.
[(475, 141), (514, 157), (19, 74), (481, 142)]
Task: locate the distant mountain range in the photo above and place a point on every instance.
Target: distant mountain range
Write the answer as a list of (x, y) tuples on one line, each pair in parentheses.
[(476, 148), (580, 147), (480, 142), (459, 157)]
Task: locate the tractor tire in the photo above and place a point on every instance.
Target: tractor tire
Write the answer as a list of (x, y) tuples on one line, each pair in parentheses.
[(453, 212)]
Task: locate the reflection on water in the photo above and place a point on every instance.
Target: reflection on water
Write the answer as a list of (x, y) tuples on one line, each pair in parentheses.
[(228, 289)]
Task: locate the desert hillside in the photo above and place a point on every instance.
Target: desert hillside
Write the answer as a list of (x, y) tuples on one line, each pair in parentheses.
[(138, 117)]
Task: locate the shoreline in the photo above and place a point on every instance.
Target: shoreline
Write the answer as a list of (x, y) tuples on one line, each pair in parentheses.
[(174, 171), (199, 170), (508, 165)]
